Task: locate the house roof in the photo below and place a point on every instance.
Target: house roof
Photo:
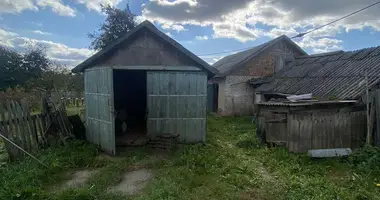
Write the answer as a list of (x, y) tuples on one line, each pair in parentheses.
[(229, 63), (335, 75), (144, 25)]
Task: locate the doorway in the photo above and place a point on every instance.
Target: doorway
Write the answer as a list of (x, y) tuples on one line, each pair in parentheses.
[(130, 103)]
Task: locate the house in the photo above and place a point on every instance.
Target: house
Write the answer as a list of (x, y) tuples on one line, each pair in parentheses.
[(150, 80), (235, 95), (329, 76), (335, 117)]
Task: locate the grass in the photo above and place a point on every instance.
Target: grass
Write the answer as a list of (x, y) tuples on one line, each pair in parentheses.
[(231, 165), (73, 110), (3, 153)]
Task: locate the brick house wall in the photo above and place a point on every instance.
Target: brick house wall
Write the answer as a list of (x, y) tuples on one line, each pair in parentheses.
[(236, 96)]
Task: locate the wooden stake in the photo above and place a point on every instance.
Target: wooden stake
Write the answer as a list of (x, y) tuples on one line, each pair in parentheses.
[(368, 140)]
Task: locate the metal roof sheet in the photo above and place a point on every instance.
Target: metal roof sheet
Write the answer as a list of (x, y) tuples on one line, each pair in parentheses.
[(339, 76), (305, 103), (228, 63)]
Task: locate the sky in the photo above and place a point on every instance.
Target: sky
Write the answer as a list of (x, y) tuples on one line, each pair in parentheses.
[(203, 26)]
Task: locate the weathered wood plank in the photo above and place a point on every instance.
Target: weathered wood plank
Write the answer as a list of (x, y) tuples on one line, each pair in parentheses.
[(305, 132), (13, 134), (14, 120), (42, 129), (316, 143), (24, 126), (12, 152), (377, 132), (293, 132), (21, 139), (31, 127), (62, 128), (67, 122), (34, 130)]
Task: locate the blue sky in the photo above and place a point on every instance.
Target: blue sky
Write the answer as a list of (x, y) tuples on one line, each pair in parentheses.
[(202, 26)]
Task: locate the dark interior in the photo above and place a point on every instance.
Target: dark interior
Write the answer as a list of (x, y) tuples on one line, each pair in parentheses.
[(130, 101)]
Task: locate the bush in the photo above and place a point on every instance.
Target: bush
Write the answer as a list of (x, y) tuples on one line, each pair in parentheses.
[(31, 98), (366, 158)]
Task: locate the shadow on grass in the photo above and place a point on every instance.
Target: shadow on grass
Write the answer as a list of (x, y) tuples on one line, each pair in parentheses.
[(249, 143)]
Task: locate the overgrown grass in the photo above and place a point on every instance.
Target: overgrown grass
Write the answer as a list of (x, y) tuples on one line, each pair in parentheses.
[(3, 153), (231, 165), (73, 110)]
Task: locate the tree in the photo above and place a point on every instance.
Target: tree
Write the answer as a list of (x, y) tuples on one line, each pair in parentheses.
[(117, 23), (58, 78), (17, 68), (10, 68)]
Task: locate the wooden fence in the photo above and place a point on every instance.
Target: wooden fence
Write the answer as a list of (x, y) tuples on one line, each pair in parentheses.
[(325, 130), (31, 132), (73, 102), (302, 131)]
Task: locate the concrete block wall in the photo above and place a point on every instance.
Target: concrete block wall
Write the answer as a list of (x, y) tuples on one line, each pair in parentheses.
[(236, 96)]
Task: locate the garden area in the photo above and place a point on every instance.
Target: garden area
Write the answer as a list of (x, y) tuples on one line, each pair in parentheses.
[(231, 165)]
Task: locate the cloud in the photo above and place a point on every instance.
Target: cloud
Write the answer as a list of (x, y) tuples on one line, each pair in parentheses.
[(169, 34), (211, 59), (174, 27), (55, 51), (320, 45), (240, 19), (276, 32), (236, 31), (18, 6), (41, 32), (96, 4), (58, 7), (205, 37), (5, 37), (38, 24)]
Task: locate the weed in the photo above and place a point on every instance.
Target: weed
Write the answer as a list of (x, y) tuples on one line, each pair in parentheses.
[(27, 179), (366, 159), (233, 164)]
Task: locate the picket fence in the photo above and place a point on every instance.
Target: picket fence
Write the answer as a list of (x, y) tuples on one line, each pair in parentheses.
[(30, 131)]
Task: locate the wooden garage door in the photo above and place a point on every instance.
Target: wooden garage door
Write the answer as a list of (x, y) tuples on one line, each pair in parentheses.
[(100, 127), (177, 104)]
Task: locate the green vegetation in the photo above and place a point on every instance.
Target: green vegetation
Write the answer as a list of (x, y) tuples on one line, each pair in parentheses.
[(3, 154), (232, 165), (73, 110)]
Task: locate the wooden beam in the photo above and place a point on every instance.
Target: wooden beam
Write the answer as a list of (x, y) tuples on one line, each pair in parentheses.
[(158, 68)]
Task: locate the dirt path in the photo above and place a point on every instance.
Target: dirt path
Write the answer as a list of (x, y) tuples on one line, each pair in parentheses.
[(79, 178), (133, 182)]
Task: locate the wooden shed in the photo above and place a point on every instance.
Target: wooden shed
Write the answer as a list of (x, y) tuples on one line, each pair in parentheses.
[(149, 80), (308, 125)]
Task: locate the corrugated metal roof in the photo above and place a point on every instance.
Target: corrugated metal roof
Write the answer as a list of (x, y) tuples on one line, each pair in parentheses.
[(336, 76), (306, 103), (228, 63)]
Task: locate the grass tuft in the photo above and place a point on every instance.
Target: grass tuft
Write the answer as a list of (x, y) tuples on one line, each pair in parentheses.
[(233, 164)]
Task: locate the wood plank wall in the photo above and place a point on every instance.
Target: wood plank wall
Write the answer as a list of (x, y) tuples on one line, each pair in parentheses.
[(325, 130), (302, 131)]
